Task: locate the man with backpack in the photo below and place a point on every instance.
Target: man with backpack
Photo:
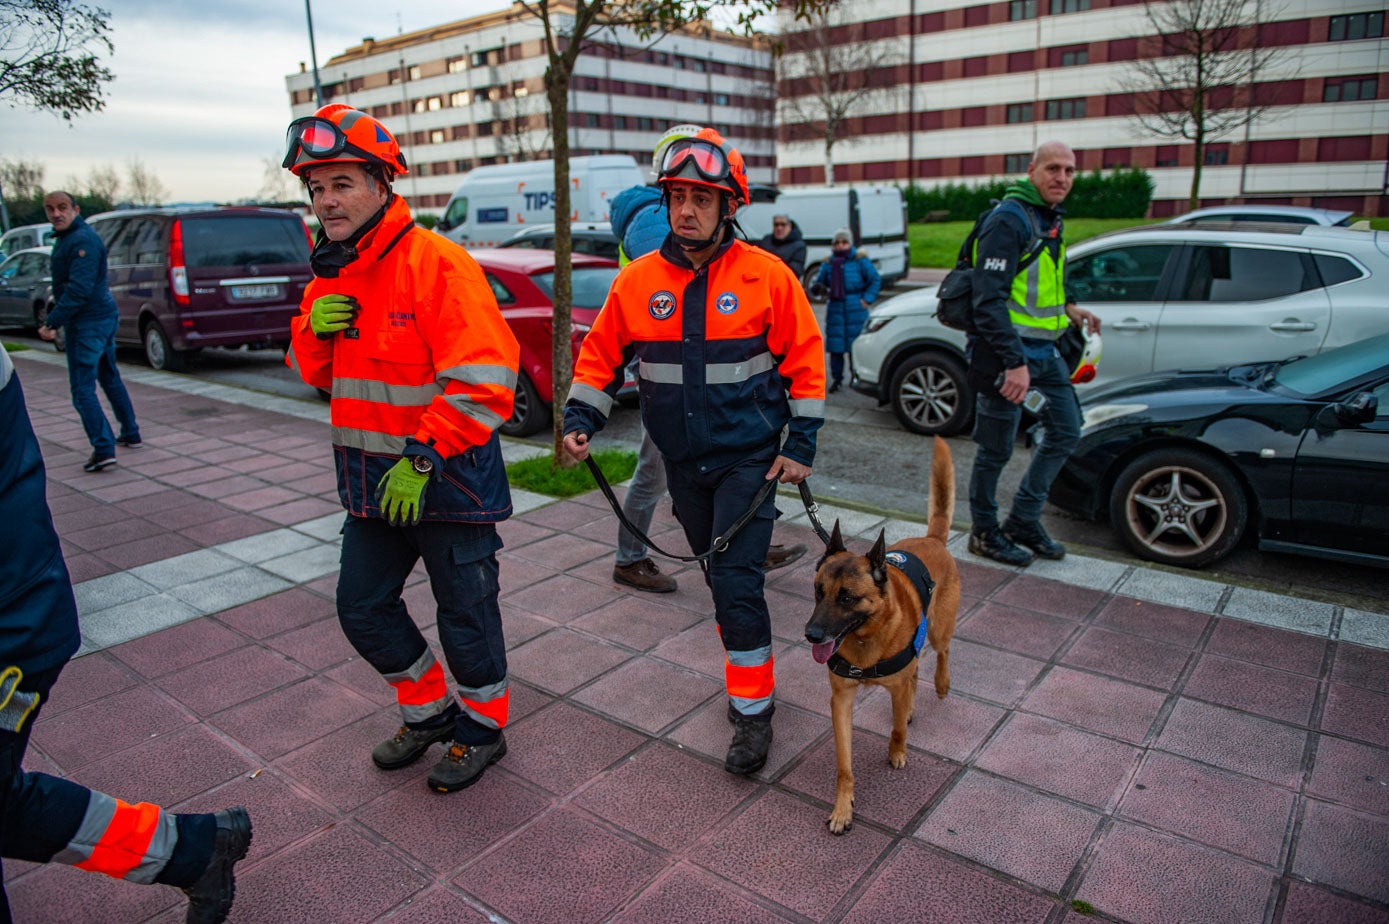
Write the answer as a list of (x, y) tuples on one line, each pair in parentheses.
[(1020, 310)]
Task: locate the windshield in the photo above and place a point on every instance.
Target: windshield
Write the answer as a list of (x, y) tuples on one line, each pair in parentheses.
[(244, 240), (591, 284), (1312, 375)]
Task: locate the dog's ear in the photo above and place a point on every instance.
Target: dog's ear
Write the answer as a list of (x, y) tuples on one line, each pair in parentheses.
[(877, 560), (836, 545)]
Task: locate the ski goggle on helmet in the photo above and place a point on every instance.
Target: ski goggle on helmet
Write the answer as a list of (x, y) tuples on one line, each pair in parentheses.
[(707, 160), (341, 134)]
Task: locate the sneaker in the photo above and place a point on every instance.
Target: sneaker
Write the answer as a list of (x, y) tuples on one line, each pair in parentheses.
[(991, 543), (752, 739), (99, 462), (462, 766), (128, 441), (1035, 538), (835, 385), (644, 575), (210, 898), (408, 745), (779, 556)]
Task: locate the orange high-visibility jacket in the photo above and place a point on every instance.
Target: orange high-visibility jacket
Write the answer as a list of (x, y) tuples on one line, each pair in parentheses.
[(429, 356), (727, 356)]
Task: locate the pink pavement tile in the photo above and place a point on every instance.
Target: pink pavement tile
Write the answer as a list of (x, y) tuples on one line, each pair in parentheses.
[(565, 550), (697, 648), (301, 511), (357, 674), (917, 885), (227, 486), (561, 747), (439, 905), (1308, 904), (280, 813), (795, 580), (278, 613), (1169, 624), (190, 514), (161, 468), (1343, 848), (981, 580), (116, 493), (1277, 648), (156, 505), (523, 700), (639, 623), (563, 598), (519, 626), (353, 879), (143, 551), (1362, 667), (231, 678), (778, 847), (1028, 835), (1252, 688), (1150, 878), (687, 895), (252, 464), (664, 795), (573, 516), (100, 538), (87, 679), (800, 681), (167, 769), (648, 694), (1236, 741), (988, 673), (561, 660), (230, 454), (882, 795), (1128, 657), (563, 869), (289, 472), (91, 515), (445, 831), (1357, 713), (1051, 597), (82, 736), (260, 498), (1033, 634), (337, 768), (519, 574), (316, 646), (84, 566), (59, 893), (177, 647), (293, 716), (953, 727), (789, 614), (1210, 806), (707, 731), (516, 533), (227, 529), (1096, 703), (192, 477), (1351, 773), (1060, 759)]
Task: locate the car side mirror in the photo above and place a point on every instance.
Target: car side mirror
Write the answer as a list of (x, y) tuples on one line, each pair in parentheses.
[(443, 224), (1359, 408)]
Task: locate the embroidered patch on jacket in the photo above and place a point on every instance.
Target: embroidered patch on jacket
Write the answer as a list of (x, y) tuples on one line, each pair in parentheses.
[(727, 303), (995, 264), (81, 253), (662, 305)]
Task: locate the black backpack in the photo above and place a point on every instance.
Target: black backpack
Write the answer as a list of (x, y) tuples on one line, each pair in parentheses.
[(955, 295)]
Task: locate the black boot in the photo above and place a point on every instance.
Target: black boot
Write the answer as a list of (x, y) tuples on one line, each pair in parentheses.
[(1035, 538), (991, 543), (752, 739), (210, 898), (408, 745), (462, 766)]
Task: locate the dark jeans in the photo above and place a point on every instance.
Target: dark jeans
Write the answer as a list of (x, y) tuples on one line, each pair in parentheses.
[(91, 348), (995, 429)]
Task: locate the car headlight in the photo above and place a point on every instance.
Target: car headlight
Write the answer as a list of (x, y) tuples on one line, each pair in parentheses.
[(875, 323), (1102, 414)]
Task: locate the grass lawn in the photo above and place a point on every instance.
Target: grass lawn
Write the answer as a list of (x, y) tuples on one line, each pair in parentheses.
[(540, 475)]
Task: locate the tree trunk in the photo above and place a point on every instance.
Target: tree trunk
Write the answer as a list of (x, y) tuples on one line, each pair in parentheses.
[(557, 79), (1194, 199), (829, 158)]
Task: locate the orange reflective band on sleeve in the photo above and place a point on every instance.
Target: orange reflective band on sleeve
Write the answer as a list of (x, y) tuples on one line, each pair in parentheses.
[(125, 841), (430, 688), (755, 682), (493, 709)]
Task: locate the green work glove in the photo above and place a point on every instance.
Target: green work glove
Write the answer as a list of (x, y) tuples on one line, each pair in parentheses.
[(330, 314), (401, 494)]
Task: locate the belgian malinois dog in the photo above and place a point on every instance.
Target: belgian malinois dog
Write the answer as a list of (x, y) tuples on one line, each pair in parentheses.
[(868, 625)]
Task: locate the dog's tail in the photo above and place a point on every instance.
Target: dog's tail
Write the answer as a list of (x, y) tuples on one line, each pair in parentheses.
[(940, 505)]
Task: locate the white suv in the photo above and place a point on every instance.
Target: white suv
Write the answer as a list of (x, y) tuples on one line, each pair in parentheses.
[(1168, 296)]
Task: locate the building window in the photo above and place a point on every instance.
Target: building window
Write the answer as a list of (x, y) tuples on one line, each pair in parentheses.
[(462, 166), (1022, 9), (414, 72), (1019, 112), (520, 91), (644, 124), (422, 169), (436, 136), (1356, 26), (458, 99), (1217, 155), (435, 103), (721, 99), (457, 65), (620, 122), (1069, 6), (1016, 163), (1073, 58), (419, 105), (1349, 89), (590, 120), (1065, 109)]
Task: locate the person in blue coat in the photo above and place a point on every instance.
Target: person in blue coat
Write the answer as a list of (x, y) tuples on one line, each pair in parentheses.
[(851, 283)]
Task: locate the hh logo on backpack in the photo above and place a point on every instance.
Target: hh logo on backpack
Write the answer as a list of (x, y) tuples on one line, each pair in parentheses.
[(955, 295), (995, 264)]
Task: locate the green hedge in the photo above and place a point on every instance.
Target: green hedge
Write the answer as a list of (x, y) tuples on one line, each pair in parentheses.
[(1122, 193)]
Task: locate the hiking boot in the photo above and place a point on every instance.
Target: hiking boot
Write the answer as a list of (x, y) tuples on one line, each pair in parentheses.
[(991, 543), (1035, 538), (462, 766), (128, 441), (779, 556), (98, 462), (752, 739), (644, 575), (210, 898), (408, 745)]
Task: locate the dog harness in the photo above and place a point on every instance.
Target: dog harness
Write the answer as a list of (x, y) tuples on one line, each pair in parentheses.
[(915, 570)]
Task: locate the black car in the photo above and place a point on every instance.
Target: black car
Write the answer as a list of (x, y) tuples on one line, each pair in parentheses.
[(1183, 463)]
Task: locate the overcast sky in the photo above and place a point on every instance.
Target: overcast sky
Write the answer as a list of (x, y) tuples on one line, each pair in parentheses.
[(199, 95)]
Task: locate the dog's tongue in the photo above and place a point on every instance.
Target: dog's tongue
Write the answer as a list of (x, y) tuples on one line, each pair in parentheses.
[(823, 651)]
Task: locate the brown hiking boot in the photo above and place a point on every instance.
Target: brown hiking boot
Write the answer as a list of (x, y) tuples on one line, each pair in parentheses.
[(644, 575), (779, 556), (462, 766)]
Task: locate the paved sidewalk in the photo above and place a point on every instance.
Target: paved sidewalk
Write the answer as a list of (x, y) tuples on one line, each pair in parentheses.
[(1155, 747)]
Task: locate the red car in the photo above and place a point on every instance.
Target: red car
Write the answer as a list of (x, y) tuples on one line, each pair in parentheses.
[(523, 281)]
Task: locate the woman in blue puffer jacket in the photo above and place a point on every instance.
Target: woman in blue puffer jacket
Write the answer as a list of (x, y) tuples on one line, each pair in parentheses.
[(851, 283)]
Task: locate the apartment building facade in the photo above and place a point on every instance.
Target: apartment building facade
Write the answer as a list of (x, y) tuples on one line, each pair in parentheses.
[(965, 92), (471, 93)]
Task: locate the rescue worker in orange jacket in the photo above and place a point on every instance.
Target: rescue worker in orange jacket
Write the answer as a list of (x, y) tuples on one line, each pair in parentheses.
[(729, 354), (402, 326)]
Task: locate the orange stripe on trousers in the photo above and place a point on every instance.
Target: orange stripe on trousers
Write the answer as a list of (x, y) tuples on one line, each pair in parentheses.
[(494, 709), (123, 845), (755, 682), (430, 688)]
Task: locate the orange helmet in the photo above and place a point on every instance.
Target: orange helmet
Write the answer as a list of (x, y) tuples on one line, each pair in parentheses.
[(705, 160), (339, 134)]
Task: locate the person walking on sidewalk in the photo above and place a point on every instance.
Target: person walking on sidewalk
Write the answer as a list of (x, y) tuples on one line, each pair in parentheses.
[(402, 326), (786, 242), (1019, 316), (83, 304), (730, 357), (851, 283), (47, 819)]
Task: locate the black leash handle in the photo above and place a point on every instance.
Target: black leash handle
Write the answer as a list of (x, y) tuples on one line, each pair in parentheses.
[(812, 510)]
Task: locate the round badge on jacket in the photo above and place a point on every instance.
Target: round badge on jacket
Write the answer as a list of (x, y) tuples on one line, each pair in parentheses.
[(896, 559), (662, 305), (727, 303)]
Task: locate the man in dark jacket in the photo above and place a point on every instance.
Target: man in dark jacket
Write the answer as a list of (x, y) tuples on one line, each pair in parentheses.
[(786, 242), (44, 818), (83, 304)]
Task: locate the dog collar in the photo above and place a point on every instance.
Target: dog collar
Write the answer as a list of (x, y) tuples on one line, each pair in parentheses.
[(916, 571)]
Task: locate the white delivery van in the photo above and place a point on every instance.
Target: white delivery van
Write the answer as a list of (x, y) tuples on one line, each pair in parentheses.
[(877, 216), (492, 203)]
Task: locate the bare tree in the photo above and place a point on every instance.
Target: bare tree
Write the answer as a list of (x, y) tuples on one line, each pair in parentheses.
[(838, 73), (104, 183), (20, 178), (524, 134), (48, 55), (1198, 76), (145, 187), (277, 184)]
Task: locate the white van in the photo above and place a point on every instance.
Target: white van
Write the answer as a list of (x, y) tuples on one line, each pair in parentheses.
[(25, 236), (877, 216), (492, 203)]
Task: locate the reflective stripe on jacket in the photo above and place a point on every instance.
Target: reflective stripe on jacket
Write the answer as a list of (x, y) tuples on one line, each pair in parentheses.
[(429, 356), (728, 356), (1037, 304)]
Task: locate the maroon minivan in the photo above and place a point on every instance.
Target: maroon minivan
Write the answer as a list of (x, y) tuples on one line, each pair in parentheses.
[(188, 278)]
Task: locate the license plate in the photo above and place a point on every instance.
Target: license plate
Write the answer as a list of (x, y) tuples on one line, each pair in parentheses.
[(255, 291)]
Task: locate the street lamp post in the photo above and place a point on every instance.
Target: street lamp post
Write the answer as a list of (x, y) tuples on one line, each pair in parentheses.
[(313, 56)]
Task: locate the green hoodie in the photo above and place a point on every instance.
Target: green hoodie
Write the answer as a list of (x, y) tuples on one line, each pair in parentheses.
[(1024, 190)]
